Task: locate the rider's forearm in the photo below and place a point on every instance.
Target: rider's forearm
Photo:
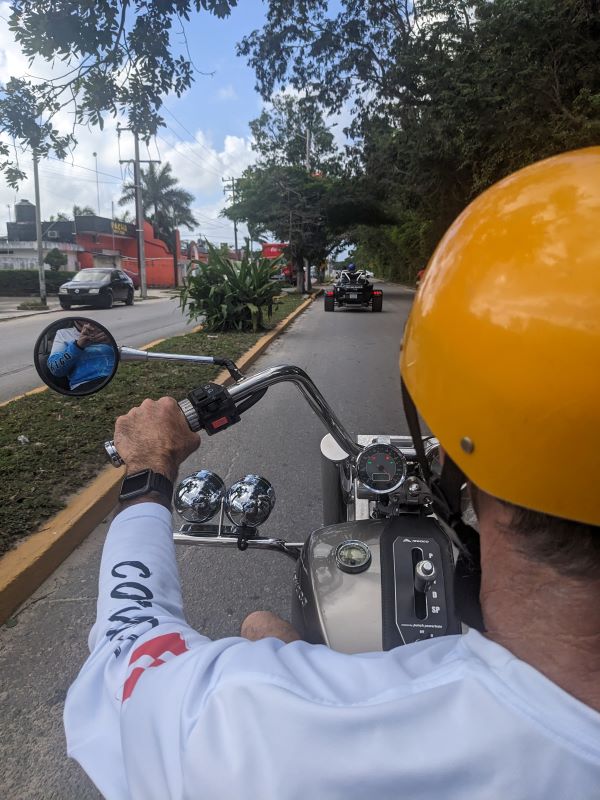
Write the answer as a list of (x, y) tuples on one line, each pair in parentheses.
[(139, 586), (61, 363)]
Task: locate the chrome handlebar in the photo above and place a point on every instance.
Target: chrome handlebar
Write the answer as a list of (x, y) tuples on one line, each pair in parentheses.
[(252, 385), (287, 373)]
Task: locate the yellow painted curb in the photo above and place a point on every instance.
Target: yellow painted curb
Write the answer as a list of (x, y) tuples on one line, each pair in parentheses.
[(26, 567), (37, 390)]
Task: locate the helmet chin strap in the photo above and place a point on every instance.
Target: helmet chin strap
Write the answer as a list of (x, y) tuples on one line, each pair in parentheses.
[(447, 494)]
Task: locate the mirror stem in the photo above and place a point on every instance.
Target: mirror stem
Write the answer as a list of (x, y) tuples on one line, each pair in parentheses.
[(130, 354), (230, 367)]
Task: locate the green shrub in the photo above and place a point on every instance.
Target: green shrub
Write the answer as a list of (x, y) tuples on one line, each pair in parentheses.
[(230, 295), (25, 282), (56, 259)]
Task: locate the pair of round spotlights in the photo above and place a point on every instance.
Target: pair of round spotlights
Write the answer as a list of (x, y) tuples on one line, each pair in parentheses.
[(247, 503)]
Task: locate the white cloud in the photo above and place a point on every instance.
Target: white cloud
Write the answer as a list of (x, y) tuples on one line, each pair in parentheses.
[(213, 227), (198, 163), (227, 93)]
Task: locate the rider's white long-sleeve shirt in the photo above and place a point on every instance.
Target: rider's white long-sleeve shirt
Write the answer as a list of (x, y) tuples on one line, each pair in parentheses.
[(159, 711)]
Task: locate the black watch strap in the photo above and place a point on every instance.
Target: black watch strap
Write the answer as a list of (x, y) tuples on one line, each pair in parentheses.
[(141, 483)]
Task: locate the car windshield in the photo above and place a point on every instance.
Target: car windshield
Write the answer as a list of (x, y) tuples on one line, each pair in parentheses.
[(91, 275)]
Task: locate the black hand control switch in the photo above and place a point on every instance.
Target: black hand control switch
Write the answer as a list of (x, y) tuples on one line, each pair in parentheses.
[(424, 576)]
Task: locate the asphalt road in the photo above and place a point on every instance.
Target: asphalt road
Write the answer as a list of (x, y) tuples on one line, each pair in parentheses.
[(353, 359), (130, 325)]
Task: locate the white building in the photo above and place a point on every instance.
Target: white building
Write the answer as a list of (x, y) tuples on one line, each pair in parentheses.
[(23, 255)]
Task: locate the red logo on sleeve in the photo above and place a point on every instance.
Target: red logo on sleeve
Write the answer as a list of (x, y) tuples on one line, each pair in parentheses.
[(152, 653)]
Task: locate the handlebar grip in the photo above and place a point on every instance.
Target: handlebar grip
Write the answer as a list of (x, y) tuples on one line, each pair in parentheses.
[(188, 411)]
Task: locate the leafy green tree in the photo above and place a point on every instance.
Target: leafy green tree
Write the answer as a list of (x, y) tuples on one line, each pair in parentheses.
[(26, 119), (447, 97), (166, 204), (313, 214), (279, 196), (284, 130), (56, 259), (120, 57)]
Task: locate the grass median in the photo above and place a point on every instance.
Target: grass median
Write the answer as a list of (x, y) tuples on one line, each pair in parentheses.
[(65, 435)]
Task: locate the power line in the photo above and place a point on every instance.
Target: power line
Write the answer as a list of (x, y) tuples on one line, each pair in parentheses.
[(189, 133), (88, 169), (208, 218), (198, 163), (77, 178), (213, 221)]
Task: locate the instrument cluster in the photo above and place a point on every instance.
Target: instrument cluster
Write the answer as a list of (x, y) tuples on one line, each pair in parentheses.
[(384, 466)]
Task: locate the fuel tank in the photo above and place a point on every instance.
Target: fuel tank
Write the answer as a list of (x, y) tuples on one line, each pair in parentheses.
[(375, 584)]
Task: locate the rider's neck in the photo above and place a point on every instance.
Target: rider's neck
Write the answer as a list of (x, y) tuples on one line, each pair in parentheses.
[(546, 619)]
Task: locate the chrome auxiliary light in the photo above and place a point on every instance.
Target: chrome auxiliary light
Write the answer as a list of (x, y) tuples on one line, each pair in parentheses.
[(198, 497), (249, 502)]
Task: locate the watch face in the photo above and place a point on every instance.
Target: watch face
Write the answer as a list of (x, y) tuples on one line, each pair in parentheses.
[(136, 484)]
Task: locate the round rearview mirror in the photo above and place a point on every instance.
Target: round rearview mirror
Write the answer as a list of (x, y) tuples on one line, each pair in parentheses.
[(76, 356)]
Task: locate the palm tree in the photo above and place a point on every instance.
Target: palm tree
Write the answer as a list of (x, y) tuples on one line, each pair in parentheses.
[(125, 217), (83, 211), (168, 203)]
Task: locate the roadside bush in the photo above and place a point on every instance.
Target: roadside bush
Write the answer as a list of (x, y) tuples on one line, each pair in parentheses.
[(230, 295), (25, 282), (56, 259)]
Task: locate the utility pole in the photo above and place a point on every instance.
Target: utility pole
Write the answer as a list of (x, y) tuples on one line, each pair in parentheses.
[(232, 190), (139, 205), (139, 216), (38, 229), (97, 184)]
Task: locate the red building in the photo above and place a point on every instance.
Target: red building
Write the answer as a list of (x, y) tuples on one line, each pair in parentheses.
[(109, 242)]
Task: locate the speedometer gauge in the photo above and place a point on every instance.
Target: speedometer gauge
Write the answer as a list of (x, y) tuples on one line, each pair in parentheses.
[(382, 468)]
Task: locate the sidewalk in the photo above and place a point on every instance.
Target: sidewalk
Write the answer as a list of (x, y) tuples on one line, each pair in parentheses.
[(9, 310)]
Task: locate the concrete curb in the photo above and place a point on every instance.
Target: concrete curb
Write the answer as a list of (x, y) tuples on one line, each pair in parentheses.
[(24, 314), (26, 567)]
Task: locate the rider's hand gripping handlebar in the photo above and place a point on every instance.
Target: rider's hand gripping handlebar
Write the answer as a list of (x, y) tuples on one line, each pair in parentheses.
[(213, 408), (210, 407)]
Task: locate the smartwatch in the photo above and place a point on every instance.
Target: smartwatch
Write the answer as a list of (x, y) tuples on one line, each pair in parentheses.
[(141, 483)]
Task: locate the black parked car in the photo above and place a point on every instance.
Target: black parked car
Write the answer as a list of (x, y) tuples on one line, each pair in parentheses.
[(353, 290), (97, 286)]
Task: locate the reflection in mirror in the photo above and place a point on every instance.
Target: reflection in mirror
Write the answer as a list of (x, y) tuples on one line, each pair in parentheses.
[(76, 356)]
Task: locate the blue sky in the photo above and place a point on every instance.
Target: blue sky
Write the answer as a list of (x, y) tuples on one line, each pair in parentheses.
[(223, 103), (207, 136)]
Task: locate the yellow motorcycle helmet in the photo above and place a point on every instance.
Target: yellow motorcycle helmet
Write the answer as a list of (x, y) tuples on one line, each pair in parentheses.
[(501, 353)]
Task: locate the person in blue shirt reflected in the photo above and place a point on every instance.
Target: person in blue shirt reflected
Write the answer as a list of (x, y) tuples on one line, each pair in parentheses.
[(82, 354)]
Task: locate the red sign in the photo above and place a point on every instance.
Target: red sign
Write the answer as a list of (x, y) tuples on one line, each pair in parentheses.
[(273, 250)]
